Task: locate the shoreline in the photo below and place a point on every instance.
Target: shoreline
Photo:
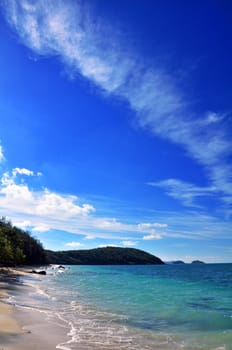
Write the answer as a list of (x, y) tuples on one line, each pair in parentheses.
[(22, 328), (45, 313)]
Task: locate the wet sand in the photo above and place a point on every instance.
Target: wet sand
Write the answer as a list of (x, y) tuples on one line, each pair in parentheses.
[(21, 328)]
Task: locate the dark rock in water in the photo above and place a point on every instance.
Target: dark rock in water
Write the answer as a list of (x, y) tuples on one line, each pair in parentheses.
[(39, 272), (61, 267), (197, 262)]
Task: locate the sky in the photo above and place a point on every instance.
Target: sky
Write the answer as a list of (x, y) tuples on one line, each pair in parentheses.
[(116, 123)]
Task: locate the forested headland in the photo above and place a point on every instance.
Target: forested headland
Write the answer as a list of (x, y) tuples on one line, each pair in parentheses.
[(18, 247), (104, 256)]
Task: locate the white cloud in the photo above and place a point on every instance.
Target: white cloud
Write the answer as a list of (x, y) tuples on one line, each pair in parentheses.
[(74, 244), (18, 199), (41, 228), (131, 230), (107, 245), (90, 237), (148, 225), (23, 224), (56, 28), (24, 171), (129, 243), (66, 30), (184, 191), (152, 237), (55, 204), (111, 224), (151, 230), (213, 117), (44, 210), (14, 195), (8, 180), (1, 154), (195, 225)]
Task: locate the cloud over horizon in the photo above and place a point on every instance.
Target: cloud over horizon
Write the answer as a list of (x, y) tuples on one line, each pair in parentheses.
[(37, 203), (44, 210)]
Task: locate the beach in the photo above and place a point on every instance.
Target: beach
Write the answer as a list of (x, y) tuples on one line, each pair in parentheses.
[(117, 308), (10, 329), (22, 328)]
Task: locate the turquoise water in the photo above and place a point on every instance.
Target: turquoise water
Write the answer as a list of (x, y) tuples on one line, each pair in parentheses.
[(140, 307)]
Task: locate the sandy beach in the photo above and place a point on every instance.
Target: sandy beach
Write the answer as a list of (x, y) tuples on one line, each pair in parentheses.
[(21, 328), (86, 307)]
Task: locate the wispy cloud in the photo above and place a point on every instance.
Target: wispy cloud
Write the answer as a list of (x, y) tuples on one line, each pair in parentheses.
[(194, 225), (114, 225), (152, 236), (74, 244), (1, 154), (43, 210), (65, 29), (149, 225), (129, 243), (183, 191)]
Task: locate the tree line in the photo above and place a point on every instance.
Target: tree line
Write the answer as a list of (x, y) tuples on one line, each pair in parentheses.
[(103, 256), (18, 247)]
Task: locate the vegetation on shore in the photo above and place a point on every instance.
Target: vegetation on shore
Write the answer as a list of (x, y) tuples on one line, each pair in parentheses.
[(103, 256), (18, 247)]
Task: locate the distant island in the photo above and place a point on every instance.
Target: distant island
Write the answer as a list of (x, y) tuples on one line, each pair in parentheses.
[(197, 262), (181, 262), (19, 248)]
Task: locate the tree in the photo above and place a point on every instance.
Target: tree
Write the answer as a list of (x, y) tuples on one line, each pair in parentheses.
[(6, 253), (18, 247)]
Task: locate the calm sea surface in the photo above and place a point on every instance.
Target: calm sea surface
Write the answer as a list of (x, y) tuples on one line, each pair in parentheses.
[(138, 307)]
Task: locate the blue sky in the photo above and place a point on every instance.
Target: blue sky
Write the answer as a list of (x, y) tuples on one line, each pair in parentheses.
[(115, 124)]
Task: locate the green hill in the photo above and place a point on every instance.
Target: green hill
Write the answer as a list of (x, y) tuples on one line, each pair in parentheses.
[(17, 247), (103, 256)]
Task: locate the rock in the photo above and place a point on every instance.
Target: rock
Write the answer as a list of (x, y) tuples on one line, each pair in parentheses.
[(42, 272)]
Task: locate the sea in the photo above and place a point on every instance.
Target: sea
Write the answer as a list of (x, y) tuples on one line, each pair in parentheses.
[(142, 307)]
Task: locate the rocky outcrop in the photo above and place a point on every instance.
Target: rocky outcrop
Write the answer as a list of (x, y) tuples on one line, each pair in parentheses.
[(42, 272)]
